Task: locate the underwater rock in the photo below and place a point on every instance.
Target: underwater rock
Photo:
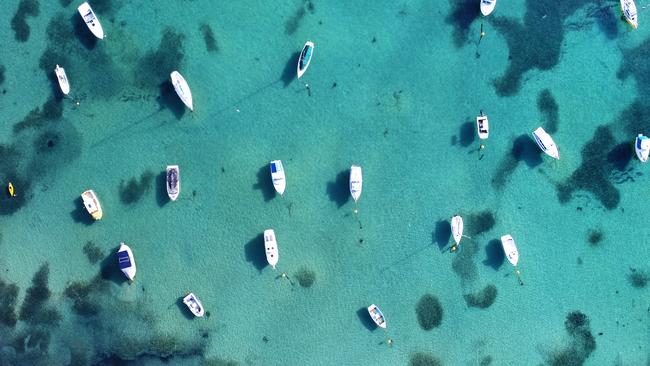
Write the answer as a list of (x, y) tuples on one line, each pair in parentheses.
[(34, 309), (486, 361), (292, 24), (594, 237), (80, 294), (305, 277), (219, 362), (424, 359), (2, 74), (482, 299), (19, 20), (638, 278), (167, 58), (133, 191), (548, 107), (65, 3), (208, 38), (429, 312), (8, 299), (481, 222), (461, 16), (38, 117), (582, 342), (93, 252)]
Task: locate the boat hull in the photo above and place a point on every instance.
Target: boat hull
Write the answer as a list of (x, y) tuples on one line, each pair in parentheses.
[(356, 182), (377, 316), (92, 205), (89, 17), (510, 249), (194, 304), (628, 7), (277, 176), (482, 127), (271, 247), (457, 228), (546, 143), (487, 7), (642, 147), (305, 58), (126, 261), (173, 181), (62, 78), (182, 89), (10, 189)]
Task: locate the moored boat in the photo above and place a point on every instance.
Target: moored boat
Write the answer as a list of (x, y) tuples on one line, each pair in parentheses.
[(126, 261), (173, 182), (642, 147), (64, 84), (194, 304), (628, 7), (487, 6), (92, 205), (305, 58), (546, 143), (510, 249), (182, 89), (377, 316), (10, 189), (91, 20), (277, 176), (457, 228), (271, 247), (356, 182), (482, 126)]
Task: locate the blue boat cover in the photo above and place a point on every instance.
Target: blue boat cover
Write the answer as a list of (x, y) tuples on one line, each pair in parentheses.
[(123, 259), (274, 169)]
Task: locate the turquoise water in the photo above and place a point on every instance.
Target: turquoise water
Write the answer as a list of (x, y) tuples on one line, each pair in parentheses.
[(394, 87)]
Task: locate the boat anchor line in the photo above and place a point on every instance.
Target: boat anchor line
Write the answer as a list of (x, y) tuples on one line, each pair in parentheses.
[(518, 274)]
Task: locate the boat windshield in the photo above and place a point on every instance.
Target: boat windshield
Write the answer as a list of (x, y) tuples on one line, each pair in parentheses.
[(274, 168), (89, 17), (305, 56)]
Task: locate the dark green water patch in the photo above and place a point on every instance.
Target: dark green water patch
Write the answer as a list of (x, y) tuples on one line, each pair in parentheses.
[(592, 174), (429, 312), (486, 361), (133, 190), (208, 38), (8, 299), (2, 74), (480, 222), (638, 278), (166, 58), (594, 237), (463, 262), (93, 252), (34, 309), (424, 359), (635, 63), (81, 295), (523, 149), (292, 24), (581, 343), (461, 16), (219, 362), (549, 109), (19, 21), (39, 117), (305, 277), (482, 299), (65, 3), (32, 343)]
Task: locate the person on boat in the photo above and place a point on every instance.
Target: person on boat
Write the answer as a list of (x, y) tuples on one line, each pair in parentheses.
[(453, 248)]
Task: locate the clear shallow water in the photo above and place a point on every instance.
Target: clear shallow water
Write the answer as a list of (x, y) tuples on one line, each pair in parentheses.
[(403, 108)]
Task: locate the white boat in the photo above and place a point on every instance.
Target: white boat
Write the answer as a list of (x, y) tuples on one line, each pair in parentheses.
[(126, 261), (510, 249), (546, 143), (64, 84), (92, 205), (194, 304), (377, 316), (628, 7), (642, 147), (457, 228), (173, 182), (482, 126), (305, 58), (271, 247), (487, 6), (277, 176), (356, 182), (91, 20), (182, 89)]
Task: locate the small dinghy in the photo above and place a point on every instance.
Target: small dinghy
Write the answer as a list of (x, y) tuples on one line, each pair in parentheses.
[(628, 7), (482, 126), (173, 182), (642, 147), (377, 316), (277, 176), (92, 205), (510, 249), (487, 6), (456, 230), (91, 20), (356, 182), (546, 143), (63, 79), (182, 89), (271, 247), (194, 304), (305, 58), (10, 190), (126, 261)]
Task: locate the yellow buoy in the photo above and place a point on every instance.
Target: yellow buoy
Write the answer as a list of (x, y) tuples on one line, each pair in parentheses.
[(10, 188)]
